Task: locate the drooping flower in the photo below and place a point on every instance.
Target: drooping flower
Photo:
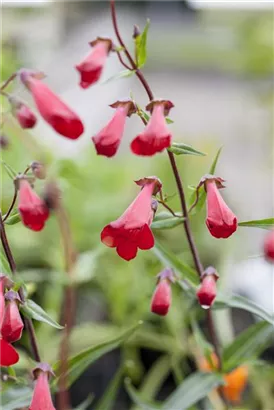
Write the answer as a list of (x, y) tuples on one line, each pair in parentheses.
[(162, 296), (91, 67), (132, 230), (235, 381), (25, 117), (156, 135), (108, 139), (54, 111), (8, 355), (207, 290), (12, 325), (221, 221), (31, 207), (41, 399), (269, 246)]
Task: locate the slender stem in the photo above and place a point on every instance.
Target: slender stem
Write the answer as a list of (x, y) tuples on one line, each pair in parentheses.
[(9, 80), (28, 322), (162, 202), (188, 231), (12, 204), (63, 397), (122, 61)]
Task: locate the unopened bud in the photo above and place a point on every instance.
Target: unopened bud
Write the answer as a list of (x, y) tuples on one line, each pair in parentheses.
[(4, 141), (38, 169), (207, 290), (136, 31)]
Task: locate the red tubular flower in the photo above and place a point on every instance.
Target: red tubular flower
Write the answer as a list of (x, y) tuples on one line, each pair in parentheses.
[(12, 325), (41, 399), (221, 221), (109, 138), (156, 136), (32, 209), (207, 290), (91, 67), (25, 117), (132, 230), (8, 355), (54, 111), (269, 246)]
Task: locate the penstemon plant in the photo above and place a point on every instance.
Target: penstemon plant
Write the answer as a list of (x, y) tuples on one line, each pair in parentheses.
[(221, 373)]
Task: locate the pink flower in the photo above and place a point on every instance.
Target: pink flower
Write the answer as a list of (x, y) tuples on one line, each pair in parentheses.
[(269, 246), (108, 139), (132, 230), (54, 111), (156, 136), (91, 67), (25, 117), (207, 290), (161, 299), (32, 209), (8, 355), (41, 399), (221, 221), (12, 325)]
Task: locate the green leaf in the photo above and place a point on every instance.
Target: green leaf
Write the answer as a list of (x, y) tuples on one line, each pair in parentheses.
[(170, 259), (236, 301), (178, 148), (165, 220), (14, 399), (169, 120), (85, 404), (108, 399), (194, 388), (32, 310), (202, 195), (13, 219), (9, 170), (247, 345), (4, 265), (121, 74), (137, 399), (205, 347), (141, 46), (80, 362), (267, 223)]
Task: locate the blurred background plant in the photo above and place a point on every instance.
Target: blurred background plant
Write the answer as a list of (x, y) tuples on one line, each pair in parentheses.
[(216, 65)]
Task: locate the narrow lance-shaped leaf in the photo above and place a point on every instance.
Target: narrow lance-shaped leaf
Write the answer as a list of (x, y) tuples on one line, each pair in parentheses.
[(106, 402), (13, 219), (267, 223), (170, 259), (247, 345), (122, 74), (201, 192), (137, 398), (165, 220), (194, 388), (32, 310), (80, 362), (236, 301), (178, 148), (141, 46)]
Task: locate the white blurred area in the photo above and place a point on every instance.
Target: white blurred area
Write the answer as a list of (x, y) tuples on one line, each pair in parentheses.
[(214, 106)]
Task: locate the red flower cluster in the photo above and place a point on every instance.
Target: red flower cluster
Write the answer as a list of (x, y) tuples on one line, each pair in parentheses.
[(11, 324), (132, 230), (32, 208), (41, 399)]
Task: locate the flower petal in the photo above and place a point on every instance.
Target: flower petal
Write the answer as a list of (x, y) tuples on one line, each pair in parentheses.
[(126, 249), (8, 355)]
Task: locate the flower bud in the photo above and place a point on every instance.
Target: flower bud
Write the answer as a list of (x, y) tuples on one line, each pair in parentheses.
[(25, 117), (31, 207), (269, 246), (207, 290), (38, 170), (12, 325), (4, 141), (161, 299)]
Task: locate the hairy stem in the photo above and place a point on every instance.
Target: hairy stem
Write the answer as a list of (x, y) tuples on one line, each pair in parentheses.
[(188, 231), (27, 322)]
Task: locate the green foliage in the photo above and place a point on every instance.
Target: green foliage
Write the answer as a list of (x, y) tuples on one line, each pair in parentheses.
[(31, 310), (266, 223), (165, 220), (179, 148), (141, 46)]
